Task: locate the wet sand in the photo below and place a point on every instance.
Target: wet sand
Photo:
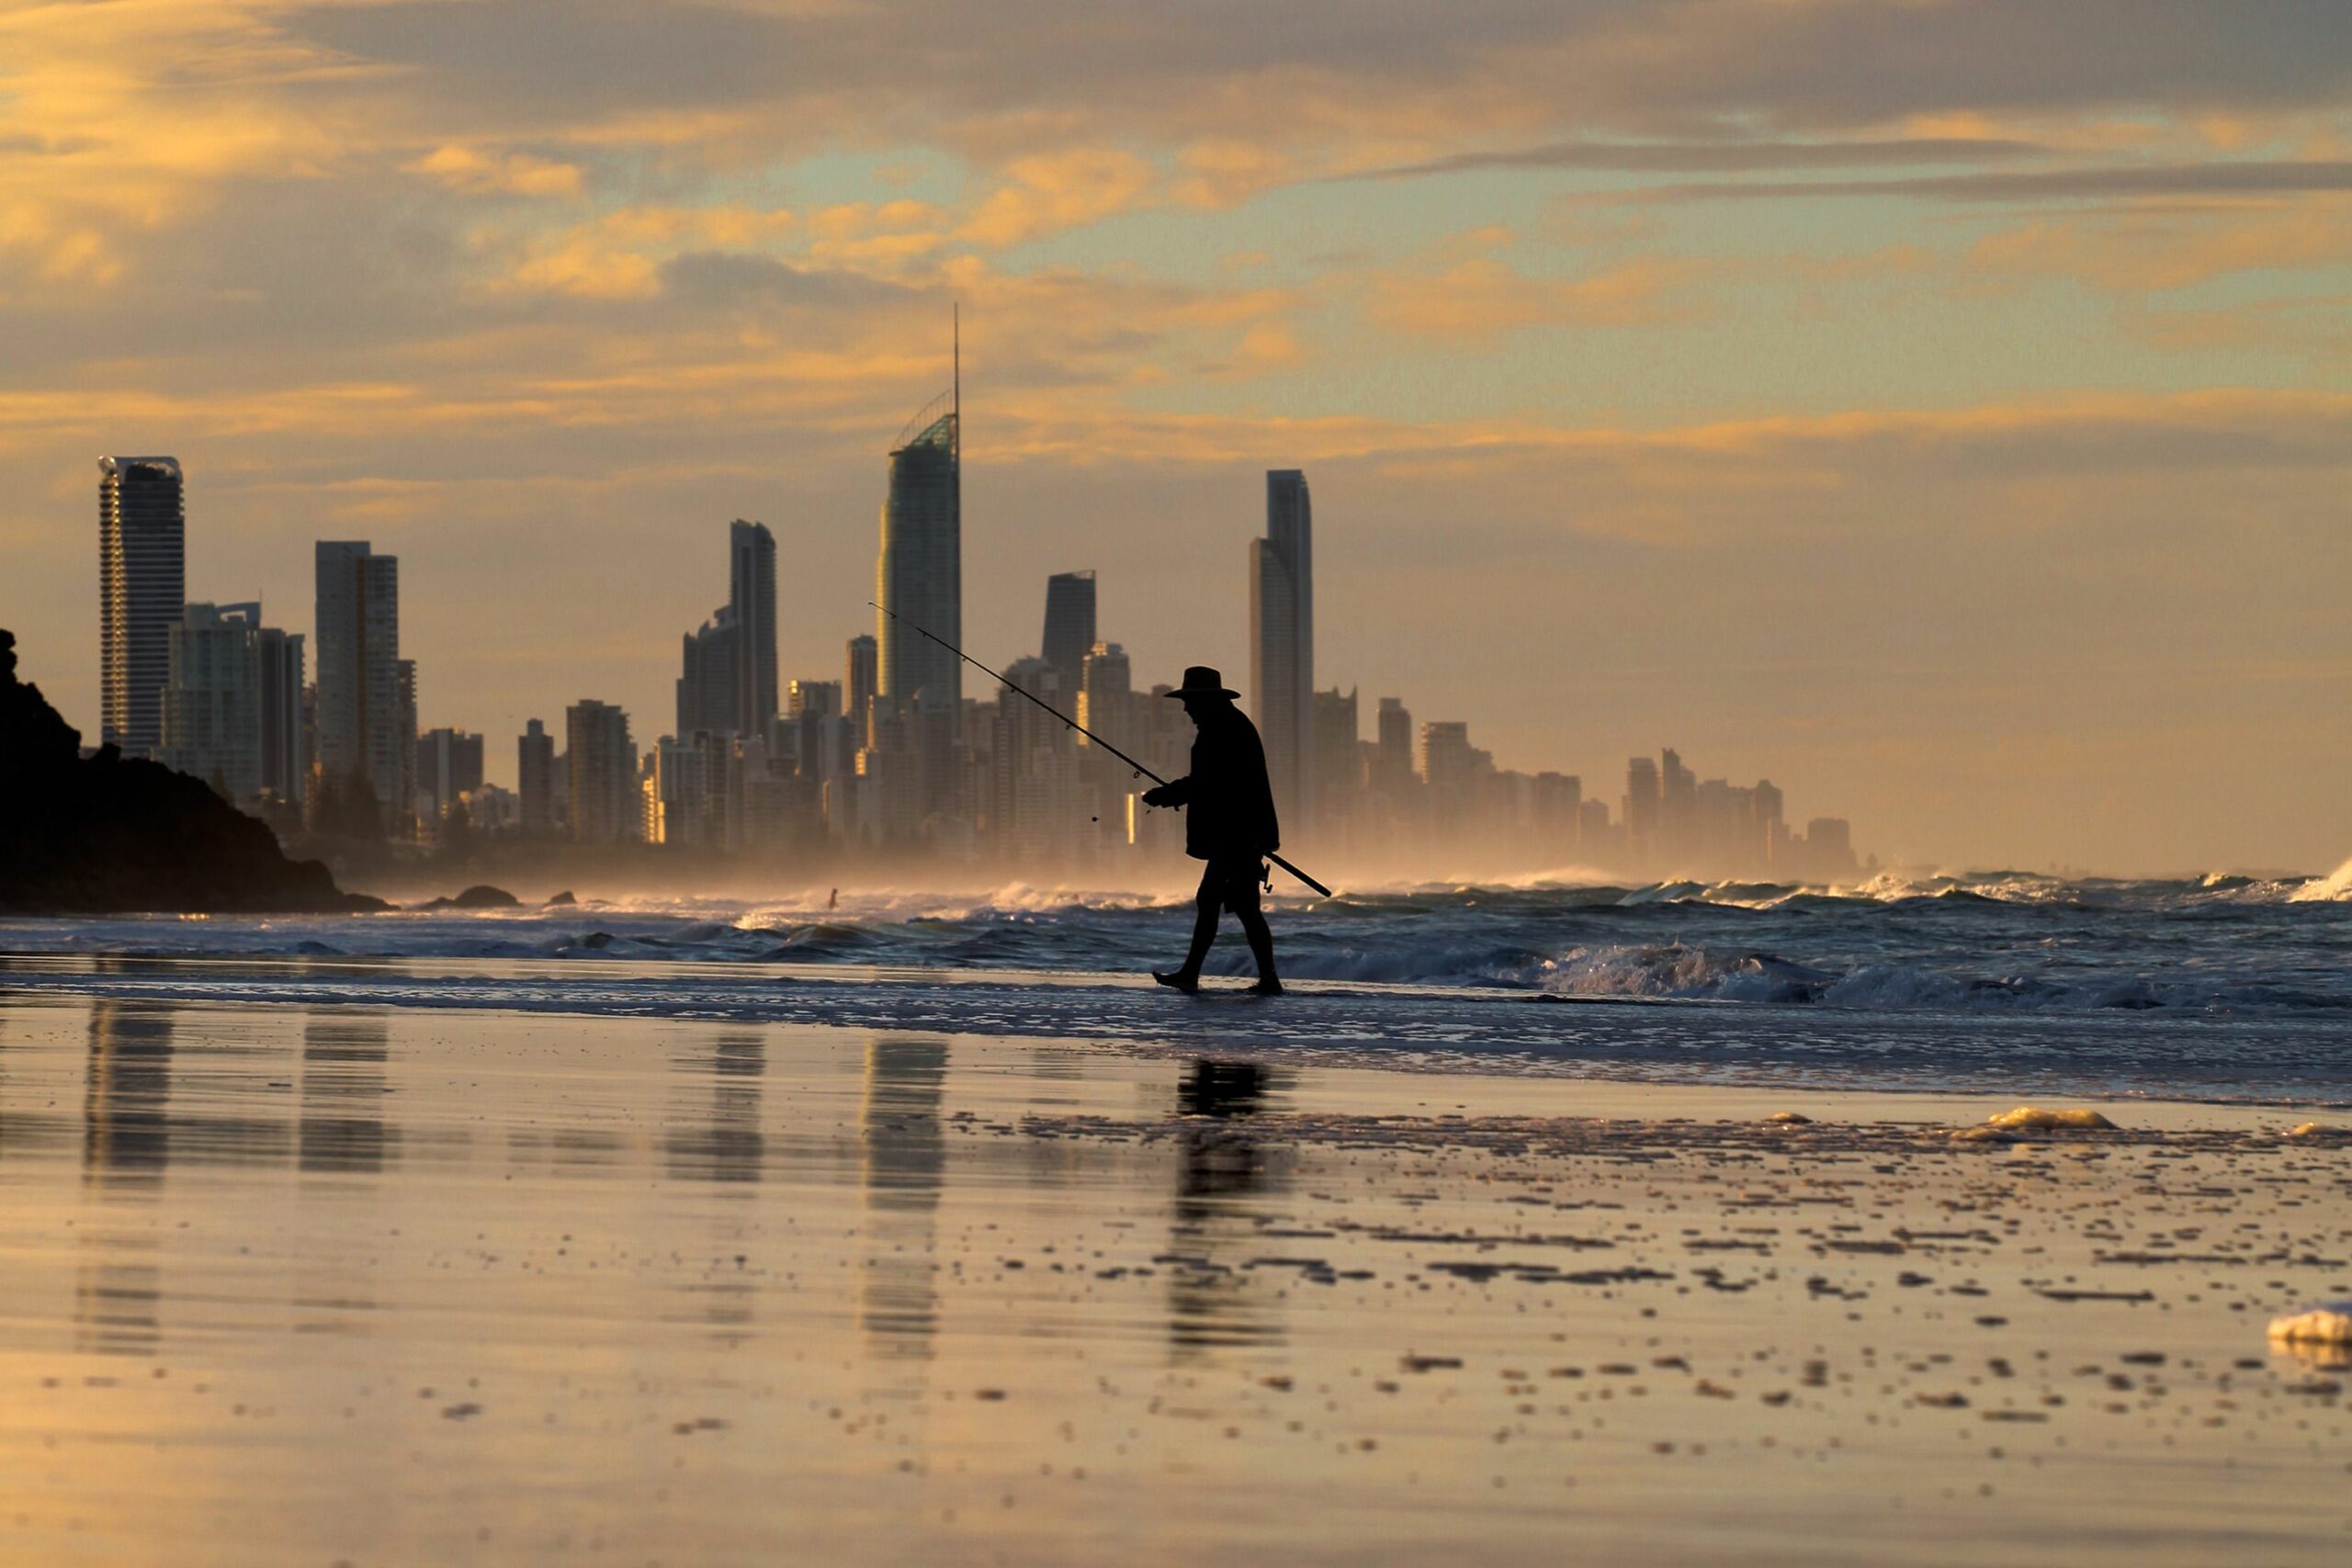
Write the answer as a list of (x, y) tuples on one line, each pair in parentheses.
[(317, 1285)]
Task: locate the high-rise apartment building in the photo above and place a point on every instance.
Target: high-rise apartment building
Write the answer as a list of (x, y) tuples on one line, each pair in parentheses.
[(1639, 810), (1106, 694), (602, 761), (918, 578), (448, 764), (1282, 641), (212, 699), (1677, 810), (859, 682), (367, 691), (1338, 764), (1070, 623), (709, 672), (535, 779), (1394, 745), (285, 760), (750, 595), (143, 588), (1446, 756)]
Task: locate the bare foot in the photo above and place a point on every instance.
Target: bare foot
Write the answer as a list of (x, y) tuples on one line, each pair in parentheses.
[(1267, 988), (1177, 980)]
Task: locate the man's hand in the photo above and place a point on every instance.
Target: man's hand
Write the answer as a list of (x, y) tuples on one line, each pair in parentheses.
[(1157, 796)]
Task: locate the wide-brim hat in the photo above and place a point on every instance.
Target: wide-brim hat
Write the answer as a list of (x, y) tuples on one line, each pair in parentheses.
[(1201, 681)]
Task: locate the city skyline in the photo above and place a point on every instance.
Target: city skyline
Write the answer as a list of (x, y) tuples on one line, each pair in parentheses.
[(842, 768), (1948, 414)]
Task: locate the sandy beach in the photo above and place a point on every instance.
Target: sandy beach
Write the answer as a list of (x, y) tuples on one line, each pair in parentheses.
[(314, 1285)]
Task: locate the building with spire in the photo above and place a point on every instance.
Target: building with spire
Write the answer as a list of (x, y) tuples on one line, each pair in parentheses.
[(919, 578)]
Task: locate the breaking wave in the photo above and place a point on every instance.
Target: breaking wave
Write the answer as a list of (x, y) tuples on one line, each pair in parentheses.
[(2001, 941)]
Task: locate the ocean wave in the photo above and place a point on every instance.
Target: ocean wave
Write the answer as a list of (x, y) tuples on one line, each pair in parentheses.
[(2333, 888)]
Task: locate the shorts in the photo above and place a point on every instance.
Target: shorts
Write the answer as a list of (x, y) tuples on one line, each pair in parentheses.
[(1233, 881)]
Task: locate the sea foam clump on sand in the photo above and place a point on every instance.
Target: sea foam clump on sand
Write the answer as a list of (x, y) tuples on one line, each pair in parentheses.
[(2032, 1118), (2321, 1323)]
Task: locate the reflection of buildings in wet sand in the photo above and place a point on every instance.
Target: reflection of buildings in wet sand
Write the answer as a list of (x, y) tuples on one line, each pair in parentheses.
[(723, 1144), (1215, 1301), (126, 1147), (342, 1136), (342, 1127), (721, 1141), (905, 1158)]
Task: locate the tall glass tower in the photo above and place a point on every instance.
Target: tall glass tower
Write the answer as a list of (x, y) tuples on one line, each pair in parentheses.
[(142, 585), (750, 593), (1282, 642), (1070, 623), (920, 577)]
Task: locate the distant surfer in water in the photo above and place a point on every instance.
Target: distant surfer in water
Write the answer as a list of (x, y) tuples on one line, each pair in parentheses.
[(1229, 822)]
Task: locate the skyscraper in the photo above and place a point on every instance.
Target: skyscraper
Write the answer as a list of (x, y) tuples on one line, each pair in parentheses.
[(285, 768), (448, 764), (1070, 623), (1396, 744), (142, 587), (534, 778), (920, 575), (1282, 641), (750, 595), (1106, 694), (1640, 810), (860, 686), (602, 761), (367, 691), (1339, 761), (212, 698), (711, 676)]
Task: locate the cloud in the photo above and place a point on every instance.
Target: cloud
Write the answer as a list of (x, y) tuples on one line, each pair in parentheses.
[(1709, 157), (1483, 298), (2138, 252), (511, 174), (2113, 182), (1061, 190)]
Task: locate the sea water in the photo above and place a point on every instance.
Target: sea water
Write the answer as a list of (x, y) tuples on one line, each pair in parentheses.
[(2226, 987)]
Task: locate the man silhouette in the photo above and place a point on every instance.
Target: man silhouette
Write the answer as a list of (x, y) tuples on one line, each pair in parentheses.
[(1229, 822)]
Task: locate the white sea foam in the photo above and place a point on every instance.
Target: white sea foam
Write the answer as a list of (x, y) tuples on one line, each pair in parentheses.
[(2334, 888)]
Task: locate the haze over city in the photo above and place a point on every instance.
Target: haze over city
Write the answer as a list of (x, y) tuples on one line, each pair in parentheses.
[(1954, 434)]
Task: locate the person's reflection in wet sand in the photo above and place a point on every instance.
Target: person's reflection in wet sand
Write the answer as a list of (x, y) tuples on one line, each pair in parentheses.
[(126, 1149), (342, 1128), (722, 1142), (1214, 1300), (906, 1159)]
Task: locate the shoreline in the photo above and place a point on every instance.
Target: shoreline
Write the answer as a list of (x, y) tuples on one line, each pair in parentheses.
[(295, 1283), (1519, 1036)]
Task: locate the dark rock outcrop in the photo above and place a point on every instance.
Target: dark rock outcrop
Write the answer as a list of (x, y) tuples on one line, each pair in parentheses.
[(562, 900), (481, 896), (108, 834)]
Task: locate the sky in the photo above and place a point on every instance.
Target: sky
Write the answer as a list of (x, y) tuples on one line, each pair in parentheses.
[(1942, 407)]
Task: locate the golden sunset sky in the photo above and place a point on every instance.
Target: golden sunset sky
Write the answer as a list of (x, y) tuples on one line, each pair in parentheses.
[(1941, 407)]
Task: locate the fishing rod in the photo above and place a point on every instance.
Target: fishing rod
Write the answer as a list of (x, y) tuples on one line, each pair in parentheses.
[(1140, 770)]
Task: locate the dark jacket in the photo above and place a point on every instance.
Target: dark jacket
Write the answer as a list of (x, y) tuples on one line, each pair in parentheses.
[(1228, 801)]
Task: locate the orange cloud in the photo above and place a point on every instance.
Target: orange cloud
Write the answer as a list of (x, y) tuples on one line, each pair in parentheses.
[(1484, 297), (1059, 190), (514, 174), (2156, 247)]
